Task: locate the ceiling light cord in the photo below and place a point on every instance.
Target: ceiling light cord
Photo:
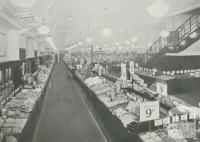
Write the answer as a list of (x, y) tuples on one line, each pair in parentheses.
[(133, 29), (106, 18), (88, 30), (80, 36)]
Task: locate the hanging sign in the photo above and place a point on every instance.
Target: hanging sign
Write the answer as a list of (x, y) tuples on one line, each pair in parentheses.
[(123, 71), (149, 111), (131, 67)]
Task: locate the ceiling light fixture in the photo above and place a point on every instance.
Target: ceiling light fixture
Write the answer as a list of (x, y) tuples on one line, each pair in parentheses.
[(88, 39), (117, 44), (44, 30), (134, 39), (164, 34), (80, 43), (106, 31), (70, 18), (127, 42), (158, 9)]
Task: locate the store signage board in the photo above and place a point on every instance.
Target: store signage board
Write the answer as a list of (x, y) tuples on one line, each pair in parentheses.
[(123, 71), (149, 111), (161, 88)]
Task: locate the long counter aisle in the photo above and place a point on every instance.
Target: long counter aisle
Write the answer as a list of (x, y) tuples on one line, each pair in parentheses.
[(65, 116)]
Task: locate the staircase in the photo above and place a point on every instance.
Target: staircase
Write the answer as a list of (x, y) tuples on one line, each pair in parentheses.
[(186, 35)]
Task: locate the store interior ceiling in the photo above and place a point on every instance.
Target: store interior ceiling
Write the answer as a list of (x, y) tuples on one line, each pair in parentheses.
[(74, 20)]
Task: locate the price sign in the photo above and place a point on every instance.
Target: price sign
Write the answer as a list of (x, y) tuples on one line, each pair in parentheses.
[(161, 88), (175, 119), (184, 117), (149, 111), (192, 116)]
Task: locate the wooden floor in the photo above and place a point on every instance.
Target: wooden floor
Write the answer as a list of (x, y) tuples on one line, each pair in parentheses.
[(65, 116)]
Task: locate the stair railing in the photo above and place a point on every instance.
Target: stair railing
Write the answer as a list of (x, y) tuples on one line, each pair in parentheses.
[(185, 30)]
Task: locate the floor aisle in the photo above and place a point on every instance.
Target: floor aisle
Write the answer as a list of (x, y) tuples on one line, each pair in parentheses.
[(64, 116)]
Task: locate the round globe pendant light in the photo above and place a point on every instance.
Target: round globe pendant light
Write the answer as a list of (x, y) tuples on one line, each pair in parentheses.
[(164, 34), (127, 42), (24, 3), (75, 45), (158, 9), (44, 30), (117, 43), (134, 39), (106, 32), (88, 39), (80, 43)]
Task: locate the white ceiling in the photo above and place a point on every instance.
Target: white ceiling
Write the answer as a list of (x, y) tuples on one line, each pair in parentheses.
[(122, 14)]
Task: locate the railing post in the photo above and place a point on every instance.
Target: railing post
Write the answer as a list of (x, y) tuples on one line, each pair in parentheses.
[(190, 25)]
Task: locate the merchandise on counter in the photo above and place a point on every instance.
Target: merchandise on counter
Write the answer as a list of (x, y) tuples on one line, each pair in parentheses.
[(93, 81), (17, 111)]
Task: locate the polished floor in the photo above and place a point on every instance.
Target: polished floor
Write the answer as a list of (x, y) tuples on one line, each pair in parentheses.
[(65, 116)]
